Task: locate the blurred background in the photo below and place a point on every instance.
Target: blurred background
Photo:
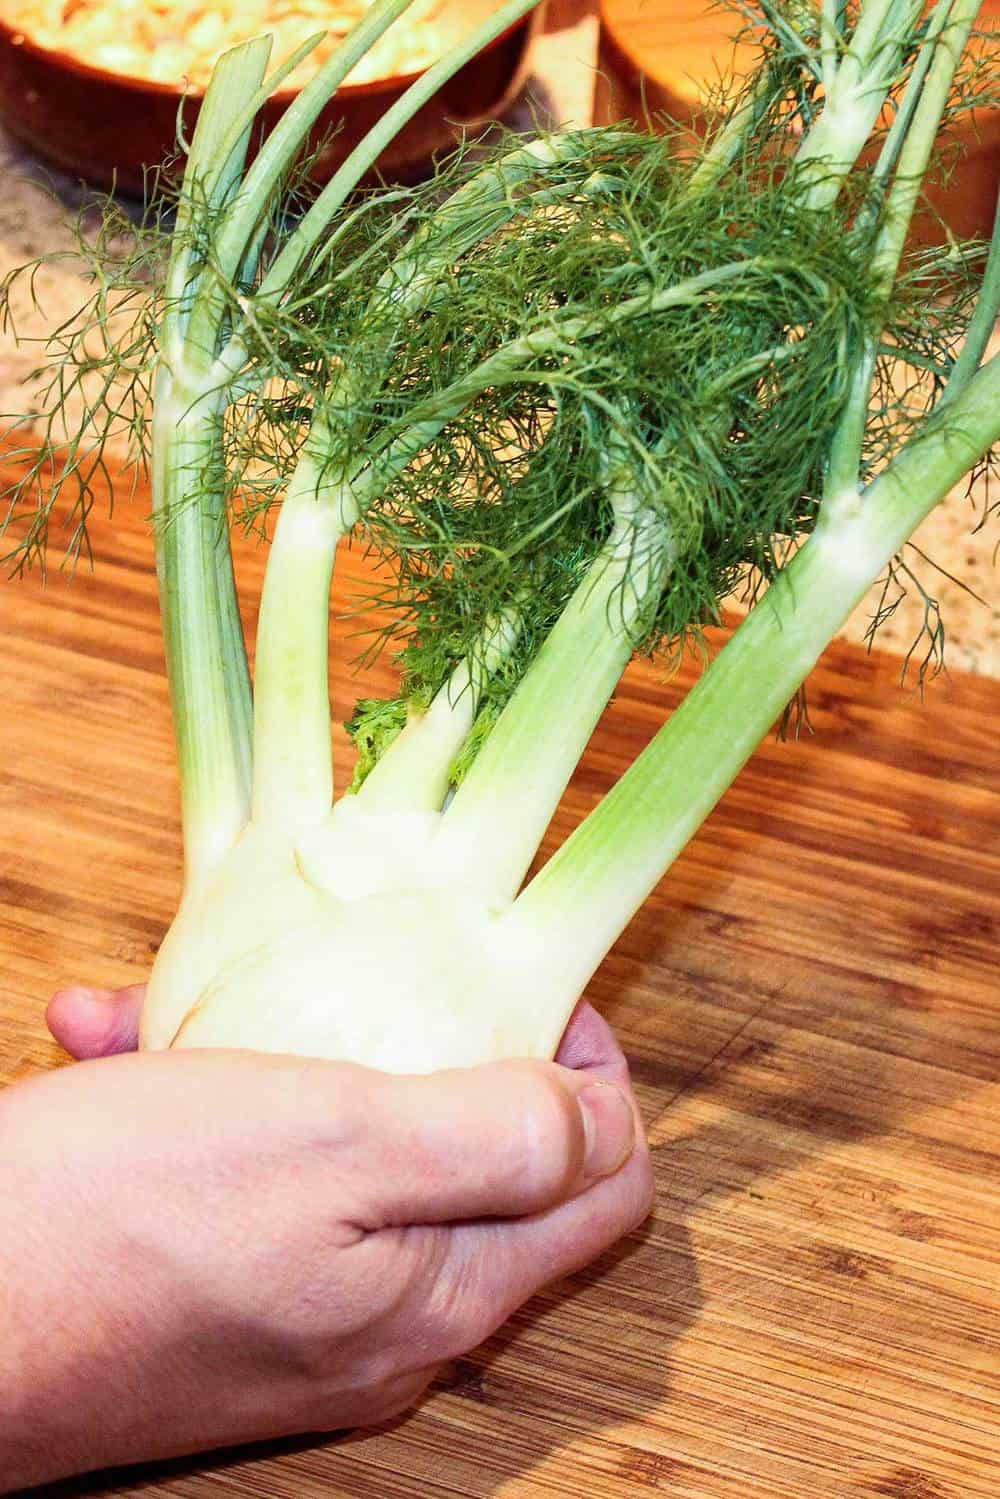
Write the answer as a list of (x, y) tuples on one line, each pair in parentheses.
[(74, 111)]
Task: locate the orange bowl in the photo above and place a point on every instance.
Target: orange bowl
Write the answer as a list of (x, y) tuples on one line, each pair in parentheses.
[(659, 57), (108, 128)]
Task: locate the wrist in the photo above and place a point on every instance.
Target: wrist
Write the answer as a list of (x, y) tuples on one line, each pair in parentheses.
[(61, 1363), (32, 1347)]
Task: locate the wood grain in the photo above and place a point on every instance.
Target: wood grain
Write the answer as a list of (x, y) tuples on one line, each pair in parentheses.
[(810, 1003)]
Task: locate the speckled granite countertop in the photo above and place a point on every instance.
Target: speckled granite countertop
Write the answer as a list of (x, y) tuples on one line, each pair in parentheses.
[(33, 210)]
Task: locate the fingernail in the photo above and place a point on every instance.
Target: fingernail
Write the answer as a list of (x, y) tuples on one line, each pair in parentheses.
[(609, 1128)]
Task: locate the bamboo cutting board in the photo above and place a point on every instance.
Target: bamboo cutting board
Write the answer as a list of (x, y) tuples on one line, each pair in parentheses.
[(811, 1007)]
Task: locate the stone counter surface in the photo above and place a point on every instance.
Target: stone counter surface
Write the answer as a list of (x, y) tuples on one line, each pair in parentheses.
[(36, 201)]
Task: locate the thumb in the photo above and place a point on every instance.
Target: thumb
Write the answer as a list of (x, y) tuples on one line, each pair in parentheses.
[(498, 1141), (96, 1022)]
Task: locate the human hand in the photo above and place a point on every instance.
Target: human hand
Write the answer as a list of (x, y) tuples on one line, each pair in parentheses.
[(202, 1248)]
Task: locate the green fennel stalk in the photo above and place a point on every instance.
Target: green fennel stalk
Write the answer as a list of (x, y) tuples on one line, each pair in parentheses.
[(570, 394)]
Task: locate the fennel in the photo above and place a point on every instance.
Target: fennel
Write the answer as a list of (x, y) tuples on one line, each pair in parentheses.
[(569, 395)]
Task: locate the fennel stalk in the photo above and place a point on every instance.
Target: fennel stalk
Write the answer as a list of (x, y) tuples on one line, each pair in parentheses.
[(570, 395)]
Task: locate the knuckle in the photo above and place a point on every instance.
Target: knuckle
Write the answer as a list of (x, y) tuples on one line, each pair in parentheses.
[(332, 1102), (470, 1320), (589, 1043), (302, 1301), (550, 1133), (396, 1397), (371, 1402), (459, 1312)]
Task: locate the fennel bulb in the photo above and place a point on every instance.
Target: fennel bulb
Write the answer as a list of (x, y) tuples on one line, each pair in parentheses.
[(569, 395)]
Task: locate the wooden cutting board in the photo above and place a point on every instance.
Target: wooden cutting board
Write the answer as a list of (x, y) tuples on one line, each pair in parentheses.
[(811, 1007)]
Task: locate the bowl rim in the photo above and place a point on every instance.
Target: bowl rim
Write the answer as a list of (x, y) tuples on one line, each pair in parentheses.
[(16, 38)]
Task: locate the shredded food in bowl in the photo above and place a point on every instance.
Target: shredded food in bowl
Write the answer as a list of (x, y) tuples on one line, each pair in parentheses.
[(178, 41)]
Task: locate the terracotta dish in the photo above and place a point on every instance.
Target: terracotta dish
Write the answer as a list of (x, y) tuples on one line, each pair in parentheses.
[(107, 128), (661, 57)]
